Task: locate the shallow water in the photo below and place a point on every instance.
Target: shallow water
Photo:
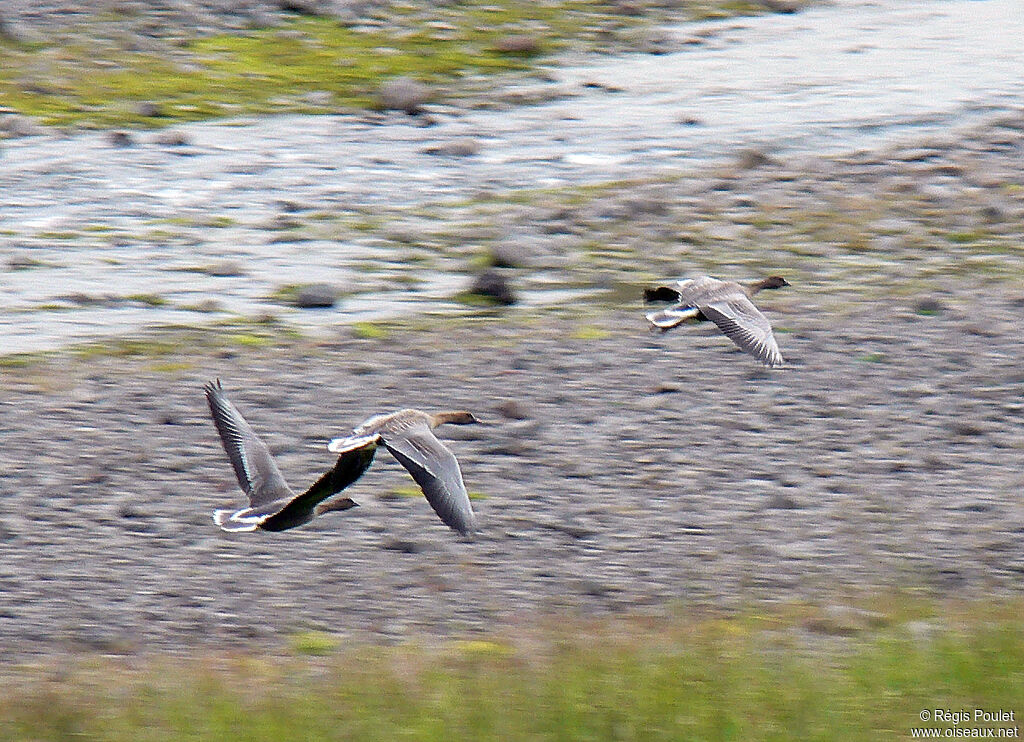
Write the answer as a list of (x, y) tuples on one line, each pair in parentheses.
[(99, 220)]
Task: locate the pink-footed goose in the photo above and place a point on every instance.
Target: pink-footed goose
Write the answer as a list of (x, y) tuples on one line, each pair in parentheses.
[(274, 506), (409, 436), (727, 304)]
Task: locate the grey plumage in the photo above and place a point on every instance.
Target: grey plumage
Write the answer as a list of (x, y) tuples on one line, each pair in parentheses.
[(727, 304), (408, 435)]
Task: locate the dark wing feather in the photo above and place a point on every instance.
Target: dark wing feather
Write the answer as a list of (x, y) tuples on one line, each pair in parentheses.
[(348, 468), (742, 323), (258, 475), (437, 472)]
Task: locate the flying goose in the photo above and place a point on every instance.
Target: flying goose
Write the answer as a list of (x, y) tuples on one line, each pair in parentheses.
[(273, 505), (408, 435), (727, 304)]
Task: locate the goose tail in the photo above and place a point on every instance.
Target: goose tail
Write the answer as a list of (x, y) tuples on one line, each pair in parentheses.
[(351, 443), (666, 319), (235, 521)]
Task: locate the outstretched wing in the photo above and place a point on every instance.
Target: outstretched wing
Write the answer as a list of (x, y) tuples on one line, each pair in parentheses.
[(347, 469), (258, 475), (742, 323), (437, 472)]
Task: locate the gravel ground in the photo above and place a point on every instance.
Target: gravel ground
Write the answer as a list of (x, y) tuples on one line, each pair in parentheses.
[(622, 472)]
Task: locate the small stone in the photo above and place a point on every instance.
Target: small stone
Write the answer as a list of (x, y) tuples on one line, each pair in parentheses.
[(17, 125), (749, 159), (783, 6), (628, 7), (509, 255), (403, 545), (316, 296), (404, 94), (225, 269), (966, 428), (22, 262), (782, 502), (513, 410), (148, 110), (207, 306), (928, 306), (492, 285), (171, 139), (455, 148), (120, 139), (656, 41), (518, 44)]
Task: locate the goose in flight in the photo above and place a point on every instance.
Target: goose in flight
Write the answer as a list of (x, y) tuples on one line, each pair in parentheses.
[(409, 436), (274, 506), (727, 304)]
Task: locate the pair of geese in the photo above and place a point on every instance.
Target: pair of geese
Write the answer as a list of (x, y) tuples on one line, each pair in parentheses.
[(408, 434)]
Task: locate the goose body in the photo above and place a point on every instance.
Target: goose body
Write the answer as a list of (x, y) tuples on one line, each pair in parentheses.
[(408, 435), (726, 303)]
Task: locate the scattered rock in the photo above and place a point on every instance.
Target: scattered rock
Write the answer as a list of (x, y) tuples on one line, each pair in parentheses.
[(510, 255), (782, 502), (404, 94), (656, 41), (929, 306), (607, 87), (455, 148), (120, 139), (749, 159), (513, 409), (403, 545), (18, 125), (783, 6), (628, 8), (966, 428), (841, 620), (224, 269), (524, 44), (23, 262), (492, 285), (148, 110), (316, 296), (172, 138)]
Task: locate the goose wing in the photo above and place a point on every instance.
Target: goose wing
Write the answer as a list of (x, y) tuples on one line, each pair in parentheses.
[(258, 475), (742, 323), (350, 465), (437, 472)]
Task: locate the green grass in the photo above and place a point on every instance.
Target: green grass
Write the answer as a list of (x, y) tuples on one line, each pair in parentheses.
[(91, 74), (755, 676), (83, 80), (370, 331)]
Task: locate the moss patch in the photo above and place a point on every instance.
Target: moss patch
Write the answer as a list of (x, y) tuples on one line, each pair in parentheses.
[(94, 75)]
